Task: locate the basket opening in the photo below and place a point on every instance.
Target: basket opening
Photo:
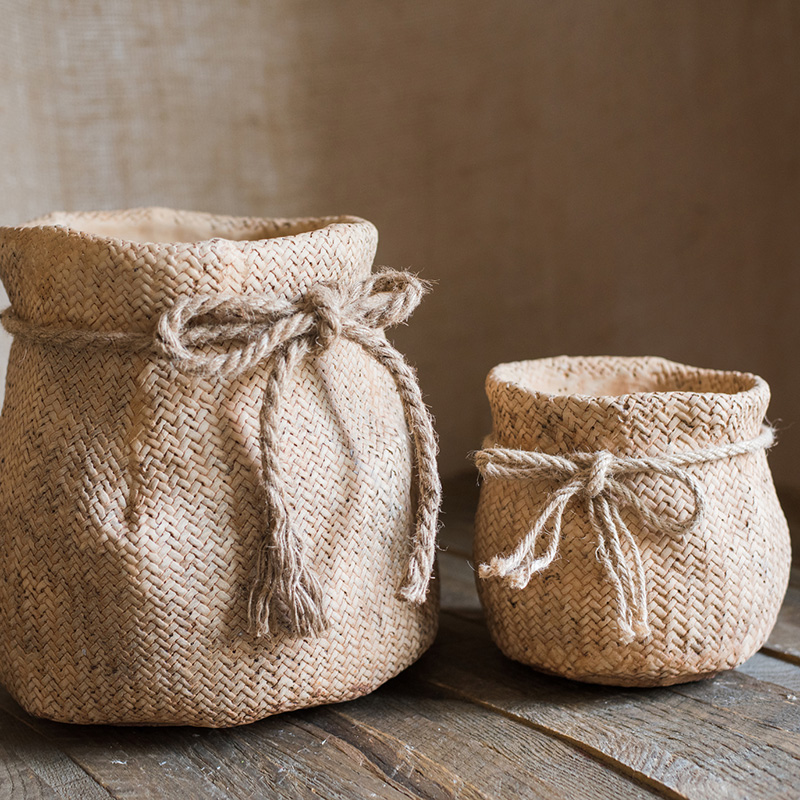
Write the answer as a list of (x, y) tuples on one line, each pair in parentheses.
[(186, 231), (596, 377)]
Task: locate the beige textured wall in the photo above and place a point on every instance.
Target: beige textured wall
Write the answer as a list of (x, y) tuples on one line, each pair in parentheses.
[(580, 177)]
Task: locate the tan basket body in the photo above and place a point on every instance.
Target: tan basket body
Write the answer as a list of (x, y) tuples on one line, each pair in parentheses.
[(714, 594), (129, 507)]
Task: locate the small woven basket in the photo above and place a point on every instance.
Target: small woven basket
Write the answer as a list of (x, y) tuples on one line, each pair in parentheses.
[(628, 530), (206, 505)]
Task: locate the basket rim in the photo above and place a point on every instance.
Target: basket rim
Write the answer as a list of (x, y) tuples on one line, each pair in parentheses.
[(68, 225), (751, 386), (54, 274)]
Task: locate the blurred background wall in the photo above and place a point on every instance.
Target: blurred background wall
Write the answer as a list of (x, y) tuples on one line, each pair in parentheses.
[(578, 177)]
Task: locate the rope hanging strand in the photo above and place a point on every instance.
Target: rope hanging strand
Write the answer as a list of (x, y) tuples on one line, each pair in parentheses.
[(279, 334), (596, 479)]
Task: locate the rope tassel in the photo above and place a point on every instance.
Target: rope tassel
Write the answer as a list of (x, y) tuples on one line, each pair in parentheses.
[(595, 478), (279, 334)]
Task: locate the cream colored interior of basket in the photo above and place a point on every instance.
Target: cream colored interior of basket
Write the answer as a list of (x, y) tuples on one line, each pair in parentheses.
[(593, 377), (165, 228)]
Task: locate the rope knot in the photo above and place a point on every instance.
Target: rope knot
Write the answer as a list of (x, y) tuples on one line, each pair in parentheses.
[(324, 304), (597, 473)]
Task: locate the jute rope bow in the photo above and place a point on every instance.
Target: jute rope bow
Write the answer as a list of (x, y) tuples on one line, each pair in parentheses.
[(596, 478), (278, 334)]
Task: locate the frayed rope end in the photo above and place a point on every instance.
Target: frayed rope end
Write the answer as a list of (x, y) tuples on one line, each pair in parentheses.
[(516, 577), (414, 588), (416, 594), (301, 626), (638, 631), (300, 614)]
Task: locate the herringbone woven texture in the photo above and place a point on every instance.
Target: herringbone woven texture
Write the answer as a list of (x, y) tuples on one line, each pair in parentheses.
[(129, 513), (713, 594)]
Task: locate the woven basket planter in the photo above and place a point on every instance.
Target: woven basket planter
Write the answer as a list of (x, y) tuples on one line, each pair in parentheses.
[(207, 483), (628, 530)]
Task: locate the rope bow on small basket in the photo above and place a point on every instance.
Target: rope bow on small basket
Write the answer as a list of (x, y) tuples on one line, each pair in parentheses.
[(226, 335), (598, 478)]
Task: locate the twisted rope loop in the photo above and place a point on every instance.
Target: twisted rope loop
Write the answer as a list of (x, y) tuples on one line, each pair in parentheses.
[(246, 331), (597, 479)]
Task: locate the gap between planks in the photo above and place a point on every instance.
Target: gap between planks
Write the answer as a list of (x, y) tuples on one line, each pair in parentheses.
[(597, 754)]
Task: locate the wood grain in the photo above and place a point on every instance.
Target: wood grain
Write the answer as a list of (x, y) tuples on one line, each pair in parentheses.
[(688, 739), (31, 767), (283, 756), (439, 746), (784, 641), (773, 671), (665, 737)]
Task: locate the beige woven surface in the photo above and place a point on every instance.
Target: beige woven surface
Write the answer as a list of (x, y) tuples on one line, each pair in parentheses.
[(713, 593), (129, 509)]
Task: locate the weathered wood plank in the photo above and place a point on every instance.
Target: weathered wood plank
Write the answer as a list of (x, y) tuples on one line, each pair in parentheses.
[(284, 756), (31, 767), (745, 693), (758, 700), (784, 642), (443, 747), (17, 779), (681, 743), (775, 671), (310, 761)]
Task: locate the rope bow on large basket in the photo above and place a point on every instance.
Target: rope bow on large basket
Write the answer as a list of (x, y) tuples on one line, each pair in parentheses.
[(276, 334), (628, 537)]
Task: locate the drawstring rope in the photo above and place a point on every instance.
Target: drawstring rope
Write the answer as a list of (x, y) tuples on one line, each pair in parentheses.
[(279, 334), (595, 479)]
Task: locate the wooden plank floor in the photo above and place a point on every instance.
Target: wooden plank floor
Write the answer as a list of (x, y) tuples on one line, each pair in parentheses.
[(462, 723)]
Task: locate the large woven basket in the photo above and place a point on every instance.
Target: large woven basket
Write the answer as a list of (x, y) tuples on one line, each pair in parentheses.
[(132, 505), (628, 527)]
